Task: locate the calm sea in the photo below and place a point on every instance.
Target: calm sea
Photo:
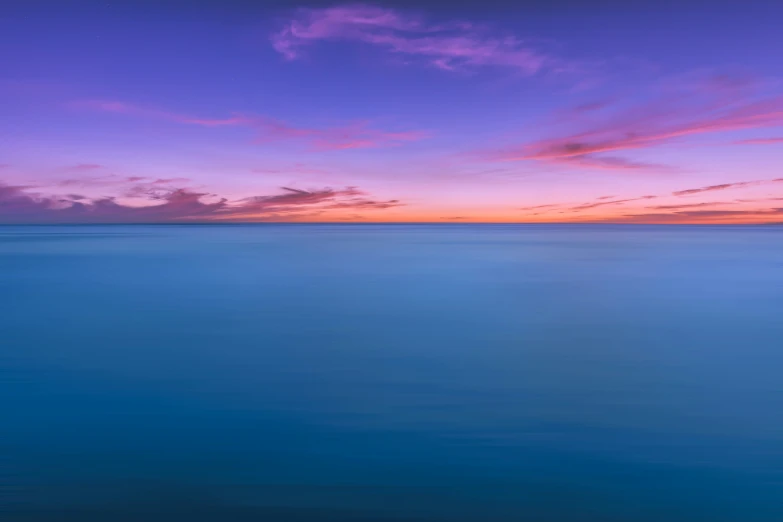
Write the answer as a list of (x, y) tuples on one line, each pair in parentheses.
[(317, 373)]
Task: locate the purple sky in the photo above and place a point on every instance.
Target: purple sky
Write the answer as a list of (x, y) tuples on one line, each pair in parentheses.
[(398, 111)]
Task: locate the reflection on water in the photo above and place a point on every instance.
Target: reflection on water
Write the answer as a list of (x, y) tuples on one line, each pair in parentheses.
[(384, 372)]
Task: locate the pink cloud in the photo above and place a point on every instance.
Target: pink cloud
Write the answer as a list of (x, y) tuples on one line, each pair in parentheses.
[(760, 141), (354, 136), (19, 205), (293, 199), (708, 107), (452, 46), (357, 135)]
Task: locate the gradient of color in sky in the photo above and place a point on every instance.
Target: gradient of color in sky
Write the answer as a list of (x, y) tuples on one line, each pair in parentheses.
[(392, 112)]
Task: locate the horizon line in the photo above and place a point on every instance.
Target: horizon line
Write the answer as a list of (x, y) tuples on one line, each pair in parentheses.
[(159, 223)]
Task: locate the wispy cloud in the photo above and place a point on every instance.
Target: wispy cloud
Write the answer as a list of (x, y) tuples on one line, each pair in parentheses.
[(691, 205), (724, 186), (538, 207), (586, 206), (604, 163), (711, 106), (83, 167), (756, 200), (109, 180), (772, 215), (19, 205), (296, 168), (356, 135), (679, 211), (131, 109), (761, 141), (153, 188), (449, 46), (94, 181)]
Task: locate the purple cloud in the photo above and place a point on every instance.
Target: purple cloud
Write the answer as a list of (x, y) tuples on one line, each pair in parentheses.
[(711, 106), (19, 205), (451, 46), (108, 180), (152, 188)]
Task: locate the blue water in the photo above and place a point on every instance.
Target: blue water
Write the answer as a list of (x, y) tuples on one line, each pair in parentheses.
[(391, 372)]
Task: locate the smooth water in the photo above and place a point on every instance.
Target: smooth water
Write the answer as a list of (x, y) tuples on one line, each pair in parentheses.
[(391, 372)]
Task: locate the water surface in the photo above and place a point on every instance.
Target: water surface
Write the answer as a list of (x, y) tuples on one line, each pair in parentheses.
[(392, 372)]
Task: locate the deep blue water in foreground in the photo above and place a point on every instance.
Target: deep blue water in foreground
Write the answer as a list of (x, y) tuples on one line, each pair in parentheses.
[(383, 372)]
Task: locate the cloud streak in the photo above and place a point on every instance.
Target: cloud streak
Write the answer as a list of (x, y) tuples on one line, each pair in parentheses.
[(761, 141), (451, 46), (129, 109), (712, 106), (724, 186), (773, 215), (691, 205), (539, 207), (84, 167), (109, 180), (587, 206), (679, 212), (356, 135)]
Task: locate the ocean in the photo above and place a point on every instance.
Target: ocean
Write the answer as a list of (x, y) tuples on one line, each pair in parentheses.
[(359, 372)]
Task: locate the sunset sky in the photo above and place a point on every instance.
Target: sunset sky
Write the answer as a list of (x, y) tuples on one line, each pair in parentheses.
[(391, 112)]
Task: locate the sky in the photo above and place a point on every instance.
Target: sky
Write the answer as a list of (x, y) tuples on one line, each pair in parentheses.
[(455, 112)]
